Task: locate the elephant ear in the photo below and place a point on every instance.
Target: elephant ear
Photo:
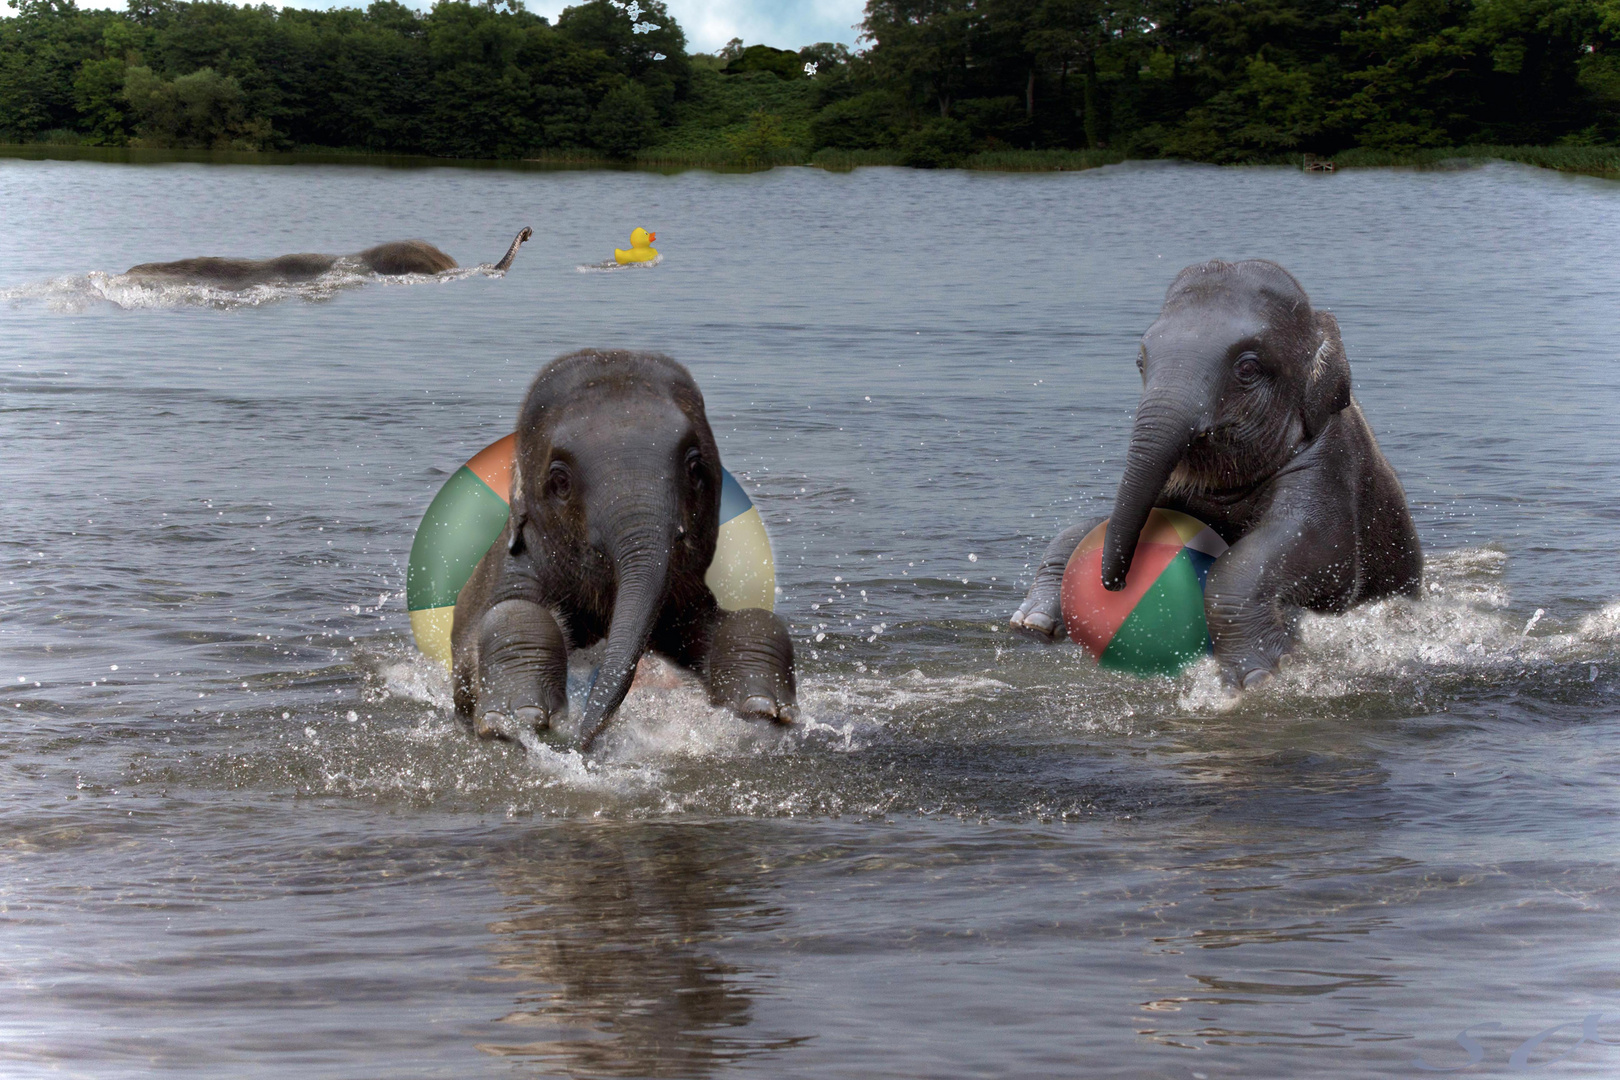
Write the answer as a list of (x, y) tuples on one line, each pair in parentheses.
[(520, 508), (1327, 382)]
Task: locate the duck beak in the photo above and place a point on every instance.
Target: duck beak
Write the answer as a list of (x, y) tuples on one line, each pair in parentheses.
[(652, 237)]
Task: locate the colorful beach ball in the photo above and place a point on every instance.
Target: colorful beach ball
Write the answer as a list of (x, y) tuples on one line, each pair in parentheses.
[(1155, 625)]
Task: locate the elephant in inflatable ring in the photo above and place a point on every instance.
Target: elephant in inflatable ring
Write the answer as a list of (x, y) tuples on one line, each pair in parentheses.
[(615, 514)]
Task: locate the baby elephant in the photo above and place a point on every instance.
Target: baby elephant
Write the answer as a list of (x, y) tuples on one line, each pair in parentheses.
[(1247, 423), (615, 513), (395, 257)]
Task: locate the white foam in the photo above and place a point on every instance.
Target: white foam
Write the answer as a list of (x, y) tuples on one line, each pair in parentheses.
[(1462, 625), (417, 678), (1602, 625), (665, 717), (612, 266), (669, 750), (78, 293), (567, 767)]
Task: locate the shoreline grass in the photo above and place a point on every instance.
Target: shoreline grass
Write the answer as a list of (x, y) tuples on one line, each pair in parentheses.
[(1590, 160), (1042, 160), (1600, 161)]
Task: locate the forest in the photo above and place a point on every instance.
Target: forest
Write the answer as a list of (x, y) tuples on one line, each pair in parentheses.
[(932, 82)]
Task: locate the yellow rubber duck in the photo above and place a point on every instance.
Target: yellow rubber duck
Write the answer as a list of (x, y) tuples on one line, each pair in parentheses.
[(641, 249)]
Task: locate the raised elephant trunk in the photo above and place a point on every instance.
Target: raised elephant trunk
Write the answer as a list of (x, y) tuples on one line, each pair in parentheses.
[(511, 253), (1167, 421), (641, 559)]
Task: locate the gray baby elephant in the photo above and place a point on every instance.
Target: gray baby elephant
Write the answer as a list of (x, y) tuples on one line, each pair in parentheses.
[(615, 515), (1247, 423)]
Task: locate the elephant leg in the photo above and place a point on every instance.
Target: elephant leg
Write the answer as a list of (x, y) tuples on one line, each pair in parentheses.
[(749, 667), (1041, 612), (1258, 587), (522, 675)]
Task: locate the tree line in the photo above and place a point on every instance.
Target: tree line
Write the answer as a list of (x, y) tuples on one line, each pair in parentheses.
[(1234, 80), (462, 80), (1212, 80)]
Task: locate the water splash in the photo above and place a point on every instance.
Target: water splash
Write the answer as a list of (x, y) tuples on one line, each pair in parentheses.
[(612, 266), (1462, 627), (669, 751), (416, 678), (79, 293)]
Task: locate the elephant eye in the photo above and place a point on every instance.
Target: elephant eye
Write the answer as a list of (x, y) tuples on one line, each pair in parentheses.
[(694, 465), (1248, 368), (558, 483)]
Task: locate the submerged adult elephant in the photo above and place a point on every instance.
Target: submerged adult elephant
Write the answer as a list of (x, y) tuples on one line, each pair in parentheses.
[(615, 514), (1247, 423), (393, 258)]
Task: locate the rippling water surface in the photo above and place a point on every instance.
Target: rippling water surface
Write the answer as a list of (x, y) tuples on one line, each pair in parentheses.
[(242, 834)]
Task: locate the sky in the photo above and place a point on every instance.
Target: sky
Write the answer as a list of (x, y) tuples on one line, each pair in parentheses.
[(786, 24), (709, 24)]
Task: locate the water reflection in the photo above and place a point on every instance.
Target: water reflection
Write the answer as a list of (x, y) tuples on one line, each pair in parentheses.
[(611, 931)]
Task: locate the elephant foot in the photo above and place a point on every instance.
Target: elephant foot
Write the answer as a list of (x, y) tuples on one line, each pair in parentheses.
[(1035, 623), (522, 664), (496, 725), (765, 707), (751, 666), (1040, 615), (1254, 672), (1238, 679)]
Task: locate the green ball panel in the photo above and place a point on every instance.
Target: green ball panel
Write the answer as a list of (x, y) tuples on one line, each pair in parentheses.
[(1167, 630), (461, 522)]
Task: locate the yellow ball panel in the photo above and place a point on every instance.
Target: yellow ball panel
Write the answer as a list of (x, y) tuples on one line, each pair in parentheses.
[(431, 628), (743, 574)]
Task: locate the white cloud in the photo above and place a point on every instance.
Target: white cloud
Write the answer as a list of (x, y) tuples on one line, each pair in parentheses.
[(786, 24), (709, 24)]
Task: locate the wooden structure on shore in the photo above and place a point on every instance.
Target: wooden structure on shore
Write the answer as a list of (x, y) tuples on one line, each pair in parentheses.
[(1312, 163)]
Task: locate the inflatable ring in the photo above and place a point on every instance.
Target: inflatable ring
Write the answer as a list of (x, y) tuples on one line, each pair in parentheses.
[(471, 509)]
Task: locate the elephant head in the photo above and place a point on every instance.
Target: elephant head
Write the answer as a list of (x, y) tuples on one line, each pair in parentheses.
[(1237, 373), (616, 500)]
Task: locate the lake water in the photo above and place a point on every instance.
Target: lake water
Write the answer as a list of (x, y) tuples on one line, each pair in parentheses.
[(242, 834)]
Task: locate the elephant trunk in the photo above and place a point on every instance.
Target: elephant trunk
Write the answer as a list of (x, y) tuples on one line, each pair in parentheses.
[(1167, 421), (511, 253), (641, 558)]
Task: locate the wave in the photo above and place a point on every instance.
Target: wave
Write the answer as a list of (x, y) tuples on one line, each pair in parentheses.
[(77, 293), (612, 266)]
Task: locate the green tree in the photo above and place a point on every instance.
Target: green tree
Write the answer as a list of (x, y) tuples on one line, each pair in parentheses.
[(1065, 36), (761, 142), (1415, 86), (624, 121), (203, 109), (783, 63), (41, 52), (923, 46), (98, 93), (938, 144)]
